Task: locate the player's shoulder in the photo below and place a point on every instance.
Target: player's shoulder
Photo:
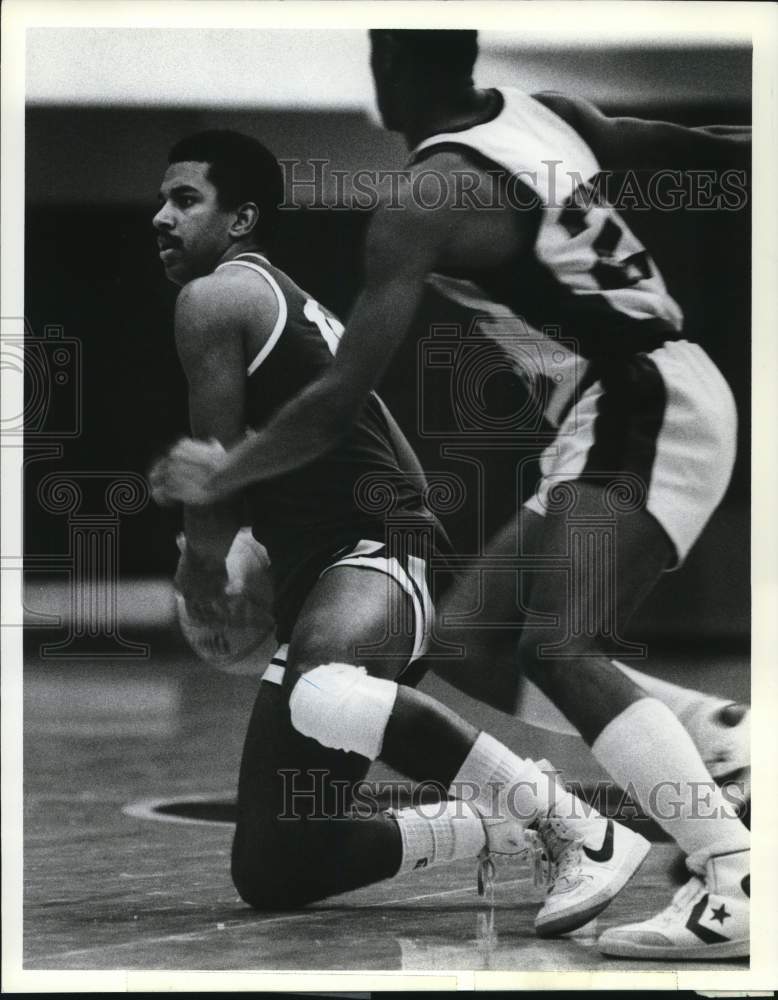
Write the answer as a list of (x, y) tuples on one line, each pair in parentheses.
[(445, 159), (224, 297), (421, 201), (580, 114), (207, 296)]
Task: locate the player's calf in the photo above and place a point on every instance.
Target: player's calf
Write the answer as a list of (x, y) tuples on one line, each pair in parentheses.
[(495, 796)]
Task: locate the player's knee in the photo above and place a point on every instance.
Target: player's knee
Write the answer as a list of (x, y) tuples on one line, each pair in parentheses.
[(263, 866), (287, 867), (343, 708), (257, 882)]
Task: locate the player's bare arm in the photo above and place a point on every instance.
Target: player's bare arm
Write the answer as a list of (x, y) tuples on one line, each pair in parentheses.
[(624, 143), (210, 327)]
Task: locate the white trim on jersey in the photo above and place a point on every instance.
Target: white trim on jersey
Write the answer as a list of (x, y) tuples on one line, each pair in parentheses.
[(532, 141), (280, 323)]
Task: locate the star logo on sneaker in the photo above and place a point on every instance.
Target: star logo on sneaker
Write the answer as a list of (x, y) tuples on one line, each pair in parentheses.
[(719, 914), (604, 853), (705, 934)]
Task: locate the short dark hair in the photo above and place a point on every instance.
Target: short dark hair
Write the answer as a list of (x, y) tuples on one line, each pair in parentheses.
[(448, 54), (239, 167)]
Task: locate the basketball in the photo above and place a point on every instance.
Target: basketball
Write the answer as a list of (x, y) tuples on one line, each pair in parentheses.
[(233, 646)]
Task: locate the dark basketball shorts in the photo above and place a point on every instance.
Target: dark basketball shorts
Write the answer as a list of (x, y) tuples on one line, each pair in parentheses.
[(415, 558)]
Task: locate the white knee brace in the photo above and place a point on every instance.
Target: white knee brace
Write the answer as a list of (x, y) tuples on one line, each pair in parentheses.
[(343, 708)]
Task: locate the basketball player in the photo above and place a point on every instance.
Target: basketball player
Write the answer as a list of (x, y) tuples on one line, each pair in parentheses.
[(648, 410), (249, 339)]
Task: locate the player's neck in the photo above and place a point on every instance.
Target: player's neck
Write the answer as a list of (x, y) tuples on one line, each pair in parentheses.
[(449, 112), (236, 249)]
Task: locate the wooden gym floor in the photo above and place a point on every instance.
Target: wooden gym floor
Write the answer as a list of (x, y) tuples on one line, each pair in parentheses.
[(107, 887)]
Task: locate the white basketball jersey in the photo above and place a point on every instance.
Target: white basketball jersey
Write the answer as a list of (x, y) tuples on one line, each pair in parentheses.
[(588, 277)]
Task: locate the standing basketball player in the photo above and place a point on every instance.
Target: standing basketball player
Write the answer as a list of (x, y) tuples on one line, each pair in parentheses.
[(650, 411), (249, 339)]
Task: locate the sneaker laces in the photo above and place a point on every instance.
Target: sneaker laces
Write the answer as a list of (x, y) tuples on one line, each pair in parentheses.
[(680, 901), (539, 858), (485, 874), (486, 870), (559, 854)]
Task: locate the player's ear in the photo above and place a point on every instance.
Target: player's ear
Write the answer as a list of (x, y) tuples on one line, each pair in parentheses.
[(246, 218)]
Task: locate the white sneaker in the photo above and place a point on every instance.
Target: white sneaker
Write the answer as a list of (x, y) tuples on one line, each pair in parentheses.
[(708, 917), (722, 734), (590, 860)]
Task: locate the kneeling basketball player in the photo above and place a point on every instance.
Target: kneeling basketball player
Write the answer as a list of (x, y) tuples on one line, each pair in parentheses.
[(249, 340)]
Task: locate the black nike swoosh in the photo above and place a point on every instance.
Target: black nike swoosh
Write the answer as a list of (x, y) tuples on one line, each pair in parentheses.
[(604, 853)]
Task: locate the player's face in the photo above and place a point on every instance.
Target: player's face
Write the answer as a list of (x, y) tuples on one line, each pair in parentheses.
[(193, 231)]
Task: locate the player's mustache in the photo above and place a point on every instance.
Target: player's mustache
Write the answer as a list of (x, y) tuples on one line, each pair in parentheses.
[(165, 242)]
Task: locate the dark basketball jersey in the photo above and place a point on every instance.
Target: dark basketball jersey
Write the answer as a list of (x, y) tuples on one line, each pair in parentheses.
[(311, 511), (588, 290)]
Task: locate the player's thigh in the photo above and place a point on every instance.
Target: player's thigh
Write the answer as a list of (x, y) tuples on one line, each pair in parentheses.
[(355, 615), (491, 588), (601, 572), (480, 618)]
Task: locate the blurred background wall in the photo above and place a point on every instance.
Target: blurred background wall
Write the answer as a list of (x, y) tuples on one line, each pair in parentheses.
[(103, 109)]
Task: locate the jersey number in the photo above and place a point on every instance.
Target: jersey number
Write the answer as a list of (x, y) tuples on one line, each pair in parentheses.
[(611, 271), (329, 327)]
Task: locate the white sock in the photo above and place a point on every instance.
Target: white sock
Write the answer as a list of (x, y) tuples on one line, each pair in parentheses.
[(680, 700), (647, 751), (436, 833), (538, 710), (498, 783)]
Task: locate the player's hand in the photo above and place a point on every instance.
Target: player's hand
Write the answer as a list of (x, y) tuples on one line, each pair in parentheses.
[(203, 587), (186, 473)]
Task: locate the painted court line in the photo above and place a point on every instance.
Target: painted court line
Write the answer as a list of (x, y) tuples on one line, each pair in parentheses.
[(308, 914), (445, 892)]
